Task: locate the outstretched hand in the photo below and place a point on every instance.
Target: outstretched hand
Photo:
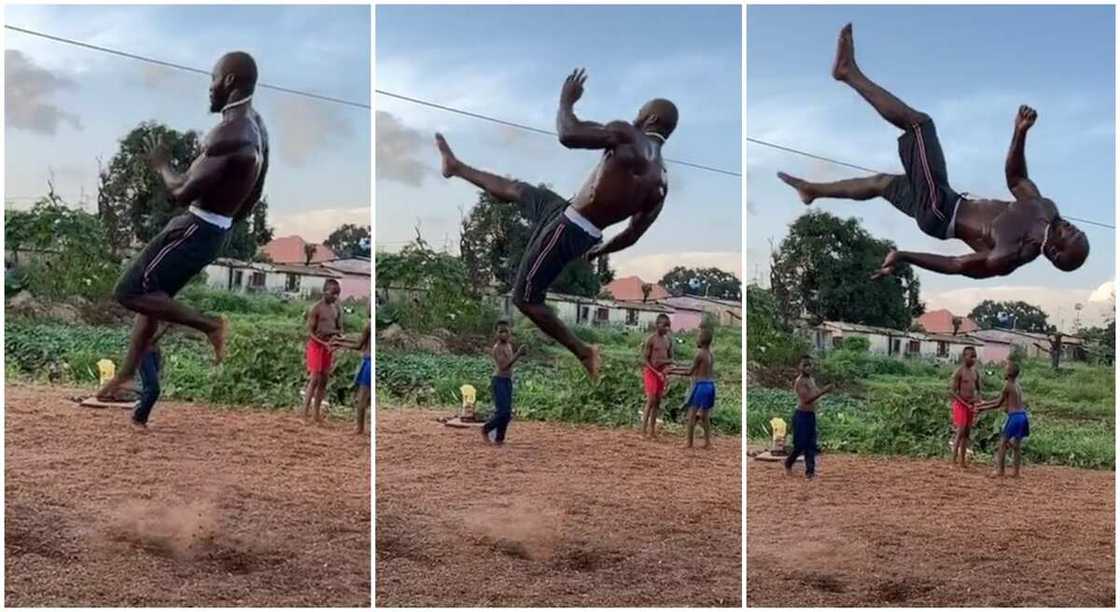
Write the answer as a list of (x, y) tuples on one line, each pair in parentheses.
[(573, 87), (159, 155), (887, 268), (1026, 117)]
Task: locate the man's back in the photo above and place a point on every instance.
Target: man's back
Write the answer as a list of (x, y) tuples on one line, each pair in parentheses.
[(630, 178)]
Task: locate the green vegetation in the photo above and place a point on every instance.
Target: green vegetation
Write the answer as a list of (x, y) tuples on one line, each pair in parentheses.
[(551, 385), (264, 364), (892, 406)]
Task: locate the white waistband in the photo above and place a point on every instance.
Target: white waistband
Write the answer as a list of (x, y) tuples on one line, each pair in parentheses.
[(221, 221), (581, 222)]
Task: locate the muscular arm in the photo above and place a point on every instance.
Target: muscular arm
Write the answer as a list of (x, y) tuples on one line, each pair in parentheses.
[(975, 265), (1016, 166), (639, 224)]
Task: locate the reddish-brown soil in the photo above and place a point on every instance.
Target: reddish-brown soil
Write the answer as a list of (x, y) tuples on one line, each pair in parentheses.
[(890, 532), (212, 508), (560, 516)]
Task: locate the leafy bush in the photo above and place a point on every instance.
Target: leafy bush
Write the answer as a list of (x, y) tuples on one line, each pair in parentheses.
[(768, 343)]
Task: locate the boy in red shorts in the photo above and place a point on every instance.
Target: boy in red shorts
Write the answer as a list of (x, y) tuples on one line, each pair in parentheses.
[(324, 322), (657, 356), (965, 390)]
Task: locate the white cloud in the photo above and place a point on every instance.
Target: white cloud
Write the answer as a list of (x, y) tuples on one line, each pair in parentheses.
[(305, 126), (402, 152), (1106, 293), (315, 225), (1060, 305), (29, 92), (653, 267)]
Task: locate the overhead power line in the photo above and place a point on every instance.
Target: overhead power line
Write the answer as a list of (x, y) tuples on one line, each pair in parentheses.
[(158, 62), (528, 128), (873, 171)]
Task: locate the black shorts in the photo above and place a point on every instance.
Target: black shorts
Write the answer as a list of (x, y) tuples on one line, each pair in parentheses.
[(924, 192), (185, 246), (555, 242)]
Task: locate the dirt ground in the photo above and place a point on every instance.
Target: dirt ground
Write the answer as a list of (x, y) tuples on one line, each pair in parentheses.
[(891, 532), (212, 508), (561, 515)]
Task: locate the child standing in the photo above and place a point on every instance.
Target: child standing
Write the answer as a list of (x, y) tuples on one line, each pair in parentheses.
[(805, 418), (362, 378), (151, 363), (324, 322), (501, 384), (1017, 427), (703, 394), (965, 390), (657, 355)]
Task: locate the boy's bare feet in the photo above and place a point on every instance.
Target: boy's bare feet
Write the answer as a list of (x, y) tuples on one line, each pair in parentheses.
[(995, 474), (800, 185), (485, 435), (218, 339), (450, 162), (138, 427), (845, 64), (707, 445)]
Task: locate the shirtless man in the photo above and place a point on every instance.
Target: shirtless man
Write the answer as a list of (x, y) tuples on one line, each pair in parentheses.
[(657, 359), (221, 187), (628, 183), (1003, 235), (804, 419), (964, 387)]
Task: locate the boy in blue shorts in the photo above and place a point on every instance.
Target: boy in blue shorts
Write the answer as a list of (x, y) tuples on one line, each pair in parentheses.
[(703, 394), (362, 378), (1016, 428)]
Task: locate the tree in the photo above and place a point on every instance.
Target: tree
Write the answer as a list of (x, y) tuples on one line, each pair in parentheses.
[(493, 239), (349, 241), (823, 269), (309, 253), (132, 202), (957, 322), (705, 282), (646, 290), (1010, 315)]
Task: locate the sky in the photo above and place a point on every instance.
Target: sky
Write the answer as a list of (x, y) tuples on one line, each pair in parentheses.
[(510, 62), (970, 68), (67, 106)]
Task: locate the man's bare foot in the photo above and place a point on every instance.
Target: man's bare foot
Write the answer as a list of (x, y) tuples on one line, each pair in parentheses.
[(138, 427), (707, 445), (485, 435), (110, 390), (450, 164), (845, 64), (218, 339), (592, 363), (800, 185), (888, 265)]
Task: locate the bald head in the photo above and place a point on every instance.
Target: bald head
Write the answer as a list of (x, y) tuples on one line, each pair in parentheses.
[(1067, 247), (234, 78), (658, 115)]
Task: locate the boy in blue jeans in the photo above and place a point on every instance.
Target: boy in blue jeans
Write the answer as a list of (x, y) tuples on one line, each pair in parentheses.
[(151, 363), (501, 384), (805, 418)]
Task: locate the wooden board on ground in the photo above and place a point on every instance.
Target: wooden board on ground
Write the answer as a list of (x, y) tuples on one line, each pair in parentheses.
[(93, 402), (461, 424), (767, 456)]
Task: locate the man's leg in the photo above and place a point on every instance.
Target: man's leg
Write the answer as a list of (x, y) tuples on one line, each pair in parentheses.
[(360, 410), (160, 307), (966, 434), (309, 394), (1018, 457), (1001, 454), (846, 70), (654, 408), (811, 462), (320, 394), (547, 321), (499, 187), (143, 329), (691, 425), (792, 459), (707, 423), (864, 188)]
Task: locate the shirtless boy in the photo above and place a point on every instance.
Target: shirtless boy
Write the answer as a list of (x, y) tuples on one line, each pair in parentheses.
[(702, 397), (965, 390), (324, 323), (501, 384), (657, 358), (805, 418), (1017, 426)]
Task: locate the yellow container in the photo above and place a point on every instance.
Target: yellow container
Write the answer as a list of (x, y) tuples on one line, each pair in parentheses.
[(107, 369), (778, 429), (468, 392)]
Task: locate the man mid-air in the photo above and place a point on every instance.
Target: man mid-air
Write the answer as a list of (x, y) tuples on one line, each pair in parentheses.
[(629, 182)]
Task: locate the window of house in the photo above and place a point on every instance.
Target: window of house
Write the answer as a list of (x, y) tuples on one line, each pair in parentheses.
[(602, 315), (238, 278), (914, 347), (257, 280), (837, 341), (292, 283), (631, 316), (583, 313), (942, 349)]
